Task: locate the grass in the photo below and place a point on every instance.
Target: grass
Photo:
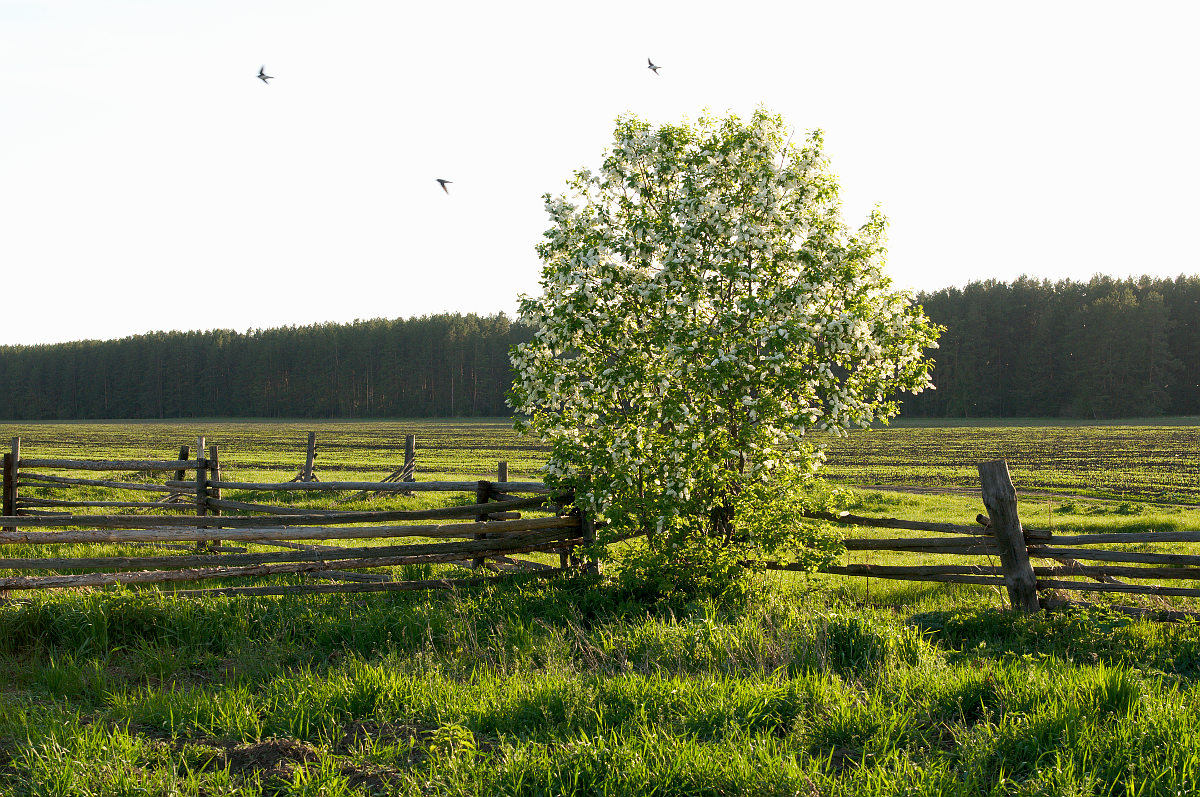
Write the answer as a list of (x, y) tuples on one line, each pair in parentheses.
[(567, 690), (823, 685), (1124, 463)]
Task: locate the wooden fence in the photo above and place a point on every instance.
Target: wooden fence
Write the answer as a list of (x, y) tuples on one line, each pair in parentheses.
[(495, 532), (1001, 534), (485, 535)]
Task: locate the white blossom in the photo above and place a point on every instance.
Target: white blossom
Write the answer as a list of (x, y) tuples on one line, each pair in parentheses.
[(687, 326)]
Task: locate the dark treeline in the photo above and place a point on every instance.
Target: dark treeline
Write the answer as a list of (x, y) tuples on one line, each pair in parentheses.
[(1101, 349), (1105, 348), (444, 365)]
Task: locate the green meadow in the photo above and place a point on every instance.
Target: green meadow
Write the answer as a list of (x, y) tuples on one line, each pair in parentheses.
[(816, 685)]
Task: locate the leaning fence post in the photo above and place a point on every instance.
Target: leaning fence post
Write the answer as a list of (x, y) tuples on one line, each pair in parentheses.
[(1000, 498)]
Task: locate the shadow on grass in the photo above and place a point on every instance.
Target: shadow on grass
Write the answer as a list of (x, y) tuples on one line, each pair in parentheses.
[(1086, 636)]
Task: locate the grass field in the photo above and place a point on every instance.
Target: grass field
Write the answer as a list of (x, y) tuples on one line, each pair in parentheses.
[(818, 686), (1152, 459)]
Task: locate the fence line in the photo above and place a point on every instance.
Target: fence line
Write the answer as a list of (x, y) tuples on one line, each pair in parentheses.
[(1001, 534), (492, 530), (493, 533)]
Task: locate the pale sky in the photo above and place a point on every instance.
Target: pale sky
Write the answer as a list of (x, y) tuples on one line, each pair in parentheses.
[(149, 181)]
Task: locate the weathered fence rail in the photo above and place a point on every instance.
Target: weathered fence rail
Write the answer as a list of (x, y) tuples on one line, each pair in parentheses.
[(1002, 535), (488, 535)]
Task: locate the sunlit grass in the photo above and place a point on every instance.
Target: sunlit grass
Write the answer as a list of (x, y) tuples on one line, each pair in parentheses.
[(819, 685)]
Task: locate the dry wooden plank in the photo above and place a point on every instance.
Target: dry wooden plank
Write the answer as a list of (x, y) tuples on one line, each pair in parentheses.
[(396, 487), (949, 545), (48, 480), (1137, 537), (901, 571), (937, 573), (1140, 589), (334, 575), (888, 569), (847, 519), (520, 564), (270, 509), (338, 518), (299, 554), (1071, 563), (1161, 573), (175, 546), (466, 510), (385, 586), (204, 573), (24, 502), (108, 464), (1138, 557), (948, 578), (299, 546), (142, 534)]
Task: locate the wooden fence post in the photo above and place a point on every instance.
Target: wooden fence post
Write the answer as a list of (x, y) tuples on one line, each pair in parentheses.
[(588, 527), (214, 468), (1000, 498), (309, 456), (306, 473), (409, 473), (12, 472), (502, 470), (8, 502), (483, 492), (184, 451), (180, 475), (201, 487)]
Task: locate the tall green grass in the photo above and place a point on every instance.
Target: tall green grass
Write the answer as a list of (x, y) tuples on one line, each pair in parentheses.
[(816, 686), (570, 690)]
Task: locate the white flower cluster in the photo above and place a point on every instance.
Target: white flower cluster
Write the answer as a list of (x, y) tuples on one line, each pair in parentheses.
[(702, 307)]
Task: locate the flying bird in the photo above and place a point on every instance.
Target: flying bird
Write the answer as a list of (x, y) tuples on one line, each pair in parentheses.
[(444, 183), (653, 68), (263, 76)]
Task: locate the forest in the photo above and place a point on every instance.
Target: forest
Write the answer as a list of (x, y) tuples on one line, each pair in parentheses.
[(1104, 348)]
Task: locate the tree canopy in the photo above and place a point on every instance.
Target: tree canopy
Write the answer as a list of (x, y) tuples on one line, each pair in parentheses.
[(703, 308)]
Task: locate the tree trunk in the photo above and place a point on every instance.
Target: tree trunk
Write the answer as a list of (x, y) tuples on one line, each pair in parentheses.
[(721, 518)]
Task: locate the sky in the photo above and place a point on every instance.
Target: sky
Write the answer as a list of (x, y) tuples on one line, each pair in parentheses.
[(149, 181)]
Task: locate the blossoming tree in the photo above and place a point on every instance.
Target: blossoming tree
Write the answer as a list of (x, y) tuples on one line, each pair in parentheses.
[(703, 308)]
